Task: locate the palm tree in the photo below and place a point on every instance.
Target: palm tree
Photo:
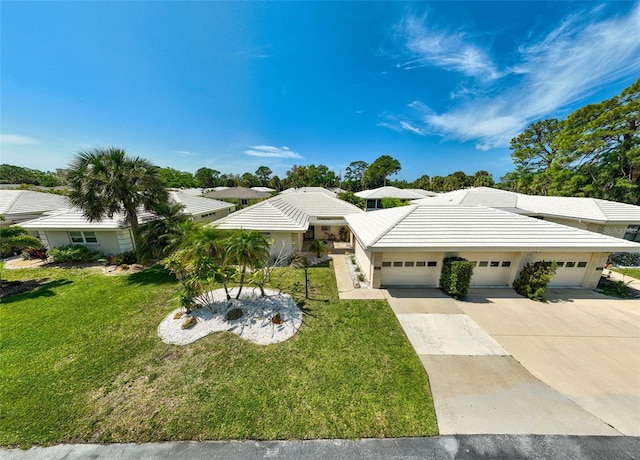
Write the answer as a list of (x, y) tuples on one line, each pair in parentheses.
[(106, 182), (247, 249), (162, 236)]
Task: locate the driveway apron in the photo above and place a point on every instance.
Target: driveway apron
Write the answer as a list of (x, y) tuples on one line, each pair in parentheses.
[(477, 386)]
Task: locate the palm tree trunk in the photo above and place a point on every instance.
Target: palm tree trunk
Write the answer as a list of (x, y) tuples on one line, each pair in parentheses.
[(242, 276)]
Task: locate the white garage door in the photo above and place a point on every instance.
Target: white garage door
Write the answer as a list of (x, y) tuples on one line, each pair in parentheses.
[(409, 269), (492, 269), (571, 268)]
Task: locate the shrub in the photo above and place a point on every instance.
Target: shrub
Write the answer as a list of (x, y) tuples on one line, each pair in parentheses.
[(534, 278), (318, 247), (33, 253), (297, 259), (342, 233), (361, 276), (456, 277), (73, 253), (625, 259), (125, 258), (388, 203)]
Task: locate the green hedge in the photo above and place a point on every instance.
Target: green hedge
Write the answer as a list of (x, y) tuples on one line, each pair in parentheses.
[(73, 253), (456, 276), (534, 278)]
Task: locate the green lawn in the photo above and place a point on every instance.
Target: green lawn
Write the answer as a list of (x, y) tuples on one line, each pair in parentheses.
[(80, 361), (632, 272)]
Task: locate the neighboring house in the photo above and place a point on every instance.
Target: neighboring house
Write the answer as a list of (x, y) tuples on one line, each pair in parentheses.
[(20, 205), (291, 218), (373, 198), (242, 196), (601, 216), (405, 246), (112, 235), (263, 189), (326, 191)]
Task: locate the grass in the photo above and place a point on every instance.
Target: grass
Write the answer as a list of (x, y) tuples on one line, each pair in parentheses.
[(632, 272), (80, 361)]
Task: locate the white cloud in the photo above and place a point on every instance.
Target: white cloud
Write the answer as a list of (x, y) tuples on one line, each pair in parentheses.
[(271, 152), (452, 51), (409, 127), (567, 65), (185, 153), (14, 139)]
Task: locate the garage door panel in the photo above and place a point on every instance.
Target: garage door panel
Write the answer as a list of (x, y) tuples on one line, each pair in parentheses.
[(408, 269), (571, 270), (491, 269)]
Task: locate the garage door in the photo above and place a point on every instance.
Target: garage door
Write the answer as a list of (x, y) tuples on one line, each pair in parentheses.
[(572, 268), (407, 269), (491, 269)]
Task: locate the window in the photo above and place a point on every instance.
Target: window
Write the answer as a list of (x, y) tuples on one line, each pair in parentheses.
[(420, 264), (386, 264), (495, 263), (432, 263), (409, 264), (483, 263), (560, 264), (582, 264), (506, 263), (244, 201), (633, 233), (397, 264), (83, 237), (325, 228), (570, 264)]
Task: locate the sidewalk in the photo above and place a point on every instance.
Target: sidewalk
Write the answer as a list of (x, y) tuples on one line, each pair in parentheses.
[(436, 448), (346, 290)]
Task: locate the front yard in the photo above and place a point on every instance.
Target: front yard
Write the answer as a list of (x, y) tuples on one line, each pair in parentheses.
[(80, 361)]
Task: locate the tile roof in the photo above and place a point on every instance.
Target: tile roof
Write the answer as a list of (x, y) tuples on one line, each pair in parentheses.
[(473, 228), (69, 219), (197, 205), (309, 190), (29, 202), (389, 192), (287, 212), (238, 193), (577, 208)]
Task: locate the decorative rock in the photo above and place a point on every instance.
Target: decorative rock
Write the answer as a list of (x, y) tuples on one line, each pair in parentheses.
[(190, 322), (178, 315), (277, 319), (234, 314)]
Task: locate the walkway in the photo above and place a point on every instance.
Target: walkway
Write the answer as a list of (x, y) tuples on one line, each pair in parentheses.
[(436, 448), (346, 289)]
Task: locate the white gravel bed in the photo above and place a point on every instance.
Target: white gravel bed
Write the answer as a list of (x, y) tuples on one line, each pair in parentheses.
[(255, 324), (351, 267)]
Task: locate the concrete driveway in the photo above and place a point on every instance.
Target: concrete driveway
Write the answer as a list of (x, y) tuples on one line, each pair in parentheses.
[(581, 343), (499, 363)]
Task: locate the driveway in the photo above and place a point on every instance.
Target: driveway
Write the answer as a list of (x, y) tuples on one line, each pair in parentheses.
[(499, 363)]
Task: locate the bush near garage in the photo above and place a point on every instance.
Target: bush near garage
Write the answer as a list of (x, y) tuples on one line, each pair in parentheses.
[(73, 253), (534, 278), (456, 276), (625, 259)]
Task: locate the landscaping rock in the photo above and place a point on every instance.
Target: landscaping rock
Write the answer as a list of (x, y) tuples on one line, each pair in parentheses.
[(234, 314)]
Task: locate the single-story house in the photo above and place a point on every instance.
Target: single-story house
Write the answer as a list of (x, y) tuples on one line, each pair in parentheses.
[(621, 220), (242, 196), (291, 218), (405, 246), (112, 235), (20, 205), (373, 198), (263, 189)]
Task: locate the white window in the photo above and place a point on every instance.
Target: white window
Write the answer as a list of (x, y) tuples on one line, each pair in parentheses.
[(633, 233), (83, 237)]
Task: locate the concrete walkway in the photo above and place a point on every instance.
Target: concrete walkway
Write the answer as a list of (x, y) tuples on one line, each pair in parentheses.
[(346, 289), (477, 386), (435, 448), (615, 276)]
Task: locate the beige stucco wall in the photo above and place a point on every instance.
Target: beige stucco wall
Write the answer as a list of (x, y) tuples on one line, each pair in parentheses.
[(320, 234), (109, 242), (211, 218), (364, 260), (285, 242)]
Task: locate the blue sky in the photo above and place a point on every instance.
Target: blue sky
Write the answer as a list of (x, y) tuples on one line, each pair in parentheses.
[(441, 86)]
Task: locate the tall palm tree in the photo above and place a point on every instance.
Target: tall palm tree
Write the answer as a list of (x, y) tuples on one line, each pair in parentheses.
[(247, 249), (106, 182)]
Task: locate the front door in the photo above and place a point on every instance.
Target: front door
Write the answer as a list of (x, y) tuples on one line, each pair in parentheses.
[(309, 235)]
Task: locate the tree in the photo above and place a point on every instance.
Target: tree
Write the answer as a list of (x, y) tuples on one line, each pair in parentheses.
[(106, 182), (378, 171), (264, 173), (275, 183), (483, 179), (15, 236), (318, 247), (206, 177), (164, 235), (176, 179), (10, 174), (350, 197), (423, 182), (247, 249), (535, 149), (355, 174)]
